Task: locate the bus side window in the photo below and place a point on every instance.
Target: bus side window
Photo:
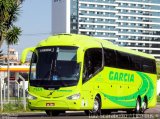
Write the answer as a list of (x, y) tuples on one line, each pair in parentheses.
[(34, 58), (154, 66), (110, 58), (33, 66), (135, 63), (123, 61), (148, 66), (92, 62)]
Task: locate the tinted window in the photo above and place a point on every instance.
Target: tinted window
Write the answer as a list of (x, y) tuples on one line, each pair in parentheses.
[(135, 62), (148, 66), (54, 66), (110, 58), (154, 66), (123, 60), (92, 62), (127, 61)]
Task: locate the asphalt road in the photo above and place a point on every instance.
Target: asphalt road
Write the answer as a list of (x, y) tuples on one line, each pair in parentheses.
[(150, 113)]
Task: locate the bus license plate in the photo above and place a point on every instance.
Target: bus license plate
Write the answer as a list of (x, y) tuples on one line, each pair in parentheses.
[(50, 104)]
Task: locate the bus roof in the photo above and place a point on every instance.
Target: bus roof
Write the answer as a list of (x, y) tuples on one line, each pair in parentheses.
[(86, 42)]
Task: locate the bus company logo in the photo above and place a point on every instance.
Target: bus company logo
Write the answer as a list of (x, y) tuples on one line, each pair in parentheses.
[(45, 50), (50, 93), (119, 76)]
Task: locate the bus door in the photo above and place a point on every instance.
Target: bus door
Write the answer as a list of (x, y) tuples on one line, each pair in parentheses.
[(91, 70)]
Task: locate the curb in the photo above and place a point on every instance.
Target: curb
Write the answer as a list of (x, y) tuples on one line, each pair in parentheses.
[(19, 113)]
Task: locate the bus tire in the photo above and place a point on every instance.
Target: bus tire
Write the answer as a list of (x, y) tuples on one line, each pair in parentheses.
[(52, 113), (138, 106), (144, 105), (96, 107)]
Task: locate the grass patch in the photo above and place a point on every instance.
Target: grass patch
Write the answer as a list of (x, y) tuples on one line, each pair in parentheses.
[(14, 108)]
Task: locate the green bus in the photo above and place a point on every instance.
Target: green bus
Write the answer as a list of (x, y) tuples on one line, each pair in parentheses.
[(78, 72)]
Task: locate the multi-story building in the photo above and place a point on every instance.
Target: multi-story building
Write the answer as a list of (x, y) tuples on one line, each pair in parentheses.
[(133, 24), (138, 25), (13, 58)]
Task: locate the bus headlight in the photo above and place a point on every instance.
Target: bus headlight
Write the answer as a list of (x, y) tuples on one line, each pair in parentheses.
[(31, 97), (74, 97)]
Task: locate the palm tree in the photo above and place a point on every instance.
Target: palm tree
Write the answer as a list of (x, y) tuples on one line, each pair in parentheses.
[(11, 38), (9, 11), (12, 35)]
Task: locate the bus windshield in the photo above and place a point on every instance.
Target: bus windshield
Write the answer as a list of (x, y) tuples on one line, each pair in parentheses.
[(54, 67)]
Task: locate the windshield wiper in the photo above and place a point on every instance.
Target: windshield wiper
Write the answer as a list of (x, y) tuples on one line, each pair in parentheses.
[(50, 70)]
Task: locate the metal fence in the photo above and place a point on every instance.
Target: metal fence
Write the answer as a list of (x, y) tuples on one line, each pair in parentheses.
[(17, 91)]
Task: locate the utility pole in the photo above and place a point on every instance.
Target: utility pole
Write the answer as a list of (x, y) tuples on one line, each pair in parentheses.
[(8, 74), (1, 95)]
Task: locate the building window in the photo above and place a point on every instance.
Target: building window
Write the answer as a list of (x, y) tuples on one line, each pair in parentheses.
[(74, 20), (74, 27)]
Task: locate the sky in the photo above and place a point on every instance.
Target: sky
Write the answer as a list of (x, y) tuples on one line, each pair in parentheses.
[(35, 23)]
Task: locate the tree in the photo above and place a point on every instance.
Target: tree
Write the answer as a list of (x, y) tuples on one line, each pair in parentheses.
[(12, 35), (1, 54), (11, 38), (9, 12)]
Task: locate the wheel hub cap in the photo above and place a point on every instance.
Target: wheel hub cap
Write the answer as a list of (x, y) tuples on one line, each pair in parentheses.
[(96, 105)]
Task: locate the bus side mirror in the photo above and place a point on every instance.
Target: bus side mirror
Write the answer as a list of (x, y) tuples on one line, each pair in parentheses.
[(25, 52)]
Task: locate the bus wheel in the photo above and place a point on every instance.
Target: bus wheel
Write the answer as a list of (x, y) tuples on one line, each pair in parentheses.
[(144, 105), (96, 107), (52, 113), (138, 106)]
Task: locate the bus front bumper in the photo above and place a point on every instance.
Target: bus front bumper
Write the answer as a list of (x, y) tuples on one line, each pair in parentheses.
[(54, 104)]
